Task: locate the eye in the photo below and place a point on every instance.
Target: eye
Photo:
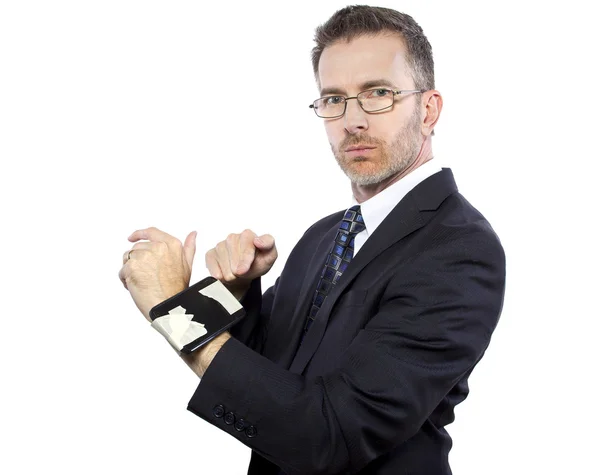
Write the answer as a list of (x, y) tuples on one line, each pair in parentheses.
[(381, 92), (333, 100), (372, 94)]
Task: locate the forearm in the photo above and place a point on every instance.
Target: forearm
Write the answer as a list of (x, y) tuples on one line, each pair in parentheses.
[(201, 359)]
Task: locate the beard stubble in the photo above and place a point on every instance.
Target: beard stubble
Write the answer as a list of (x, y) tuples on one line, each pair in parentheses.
[(390, 160)]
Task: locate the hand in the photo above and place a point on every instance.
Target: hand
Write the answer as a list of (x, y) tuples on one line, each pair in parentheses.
[(156, 270), (241, 258)]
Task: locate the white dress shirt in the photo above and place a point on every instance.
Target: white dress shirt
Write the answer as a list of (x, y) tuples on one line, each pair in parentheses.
[(376, 208)]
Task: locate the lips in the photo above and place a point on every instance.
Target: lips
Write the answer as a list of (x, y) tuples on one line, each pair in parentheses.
[(359, 148)]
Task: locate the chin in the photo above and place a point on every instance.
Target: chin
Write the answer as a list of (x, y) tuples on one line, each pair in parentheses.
[(363, 172), (365, 179)]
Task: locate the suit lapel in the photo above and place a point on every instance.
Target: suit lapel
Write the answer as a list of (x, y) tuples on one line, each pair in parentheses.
[(309, 284), (410, 214)]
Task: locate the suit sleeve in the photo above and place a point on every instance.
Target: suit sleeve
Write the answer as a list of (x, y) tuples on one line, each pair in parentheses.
[(434, 323), (252, 330)]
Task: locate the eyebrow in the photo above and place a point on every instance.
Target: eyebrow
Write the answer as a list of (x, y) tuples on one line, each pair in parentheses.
[(365, 85)]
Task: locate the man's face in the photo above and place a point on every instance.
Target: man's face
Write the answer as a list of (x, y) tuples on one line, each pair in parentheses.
[(395, 133)]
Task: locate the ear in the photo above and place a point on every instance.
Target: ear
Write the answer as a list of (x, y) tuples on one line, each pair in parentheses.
[(432, 103)]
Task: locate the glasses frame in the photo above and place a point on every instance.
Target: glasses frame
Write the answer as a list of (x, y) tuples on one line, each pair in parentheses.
[(346, 99)]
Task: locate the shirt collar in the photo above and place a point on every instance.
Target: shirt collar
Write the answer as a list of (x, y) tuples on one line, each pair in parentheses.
[(376, 208)]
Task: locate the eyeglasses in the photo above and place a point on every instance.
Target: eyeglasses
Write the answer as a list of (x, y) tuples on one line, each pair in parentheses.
[(371, 100)]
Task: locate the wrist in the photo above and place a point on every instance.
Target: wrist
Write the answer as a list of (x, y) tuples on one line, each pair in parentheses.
[(208, 353), (238, 289), (160, 298), (200, 360)]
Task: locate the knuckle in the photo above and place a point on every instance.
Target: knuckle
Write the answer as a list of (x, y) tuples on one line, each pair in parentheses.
[(233, 237)]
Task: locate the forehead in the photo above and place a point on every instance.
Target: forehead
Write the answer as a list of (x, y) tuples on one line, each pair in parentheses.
[(344, 66)]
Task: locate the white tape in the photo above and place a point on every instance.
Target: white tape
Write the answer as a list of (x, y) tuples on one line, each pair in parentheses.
[(219, 292), (178, 328)]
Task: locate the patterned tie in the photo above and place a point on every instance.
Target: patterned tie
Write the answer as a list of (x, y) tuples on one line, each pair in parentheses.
[(337, 261)]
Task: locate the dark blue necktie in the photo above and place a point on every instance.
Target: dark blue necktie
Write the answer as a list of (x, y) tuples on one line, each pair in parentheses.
[(337, 261)]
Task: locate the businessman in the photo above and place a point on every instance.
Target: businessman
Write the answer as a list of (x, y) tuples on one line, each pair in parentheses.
[(354, 360)]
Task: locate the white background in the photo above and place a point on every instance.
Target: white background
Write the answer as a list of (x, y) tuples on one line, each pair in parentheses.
[(119, 115)]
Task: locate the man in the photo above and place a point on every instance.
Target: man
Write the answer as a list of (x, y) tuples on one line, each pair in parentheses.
[(354, 360)]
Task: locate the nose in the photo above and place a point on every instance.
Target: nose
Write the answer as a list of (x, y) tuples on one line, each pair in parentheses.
[(355, 118)]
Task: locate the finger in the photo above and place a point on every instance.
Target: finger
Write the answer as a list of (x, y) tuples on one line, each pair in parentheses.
[(140, 246), (127, 255), (189, 248), (232, 244), (123, 276), (223, 258), (264, 242), (212, 264), (143, 246), (246, 251), (151, 234)]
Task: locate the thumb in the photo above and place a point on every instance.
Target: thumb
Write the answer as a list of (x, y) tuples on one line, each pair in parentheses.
[(265, 242), (189, 248)]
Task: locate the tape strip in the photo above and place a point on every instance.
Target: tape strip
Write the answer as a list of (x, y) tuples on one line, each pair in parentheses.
[(219, 292), (179, 329)]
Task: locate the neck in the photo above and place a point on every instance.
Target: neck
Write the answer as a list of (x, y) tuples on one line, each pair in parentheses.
[(364, 192)]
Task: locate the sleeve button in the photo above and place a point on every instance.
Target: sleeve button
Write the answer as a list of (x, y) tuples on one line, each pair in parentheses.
[(219, 410), (251, 431), (240, 425), (229, 418)]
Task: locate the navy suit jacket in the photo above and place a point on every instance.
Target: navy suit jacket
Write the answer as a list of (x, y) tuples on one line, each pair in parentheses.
[(387, 358)]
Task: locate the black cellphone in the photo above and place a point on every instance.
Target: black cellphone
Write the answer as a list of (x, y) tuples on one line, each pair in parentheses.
[(211, 304)]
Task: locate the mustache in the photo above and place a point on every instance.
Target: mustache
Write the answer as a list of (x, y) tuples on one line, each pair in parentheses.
[(355, 140)]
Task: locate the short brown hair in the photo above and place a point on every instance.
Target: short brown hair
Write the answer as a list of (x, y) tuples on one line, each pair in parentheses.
[(357, 20)]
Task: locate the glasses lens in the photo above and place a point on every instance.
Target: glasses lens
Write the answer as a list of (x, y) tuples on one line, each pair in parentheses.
[(331, 106), (376, 99)]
